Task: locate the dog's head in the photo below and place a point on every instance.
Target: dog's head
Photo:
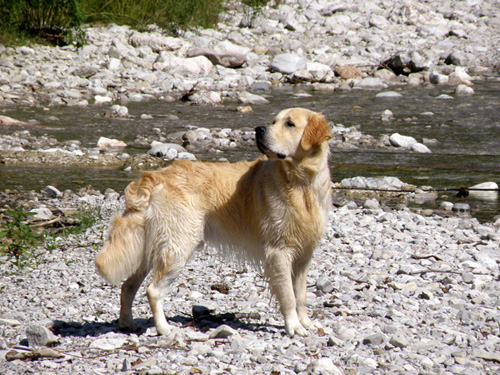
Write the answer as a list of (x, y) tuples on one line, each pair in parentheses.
[(295, 133)]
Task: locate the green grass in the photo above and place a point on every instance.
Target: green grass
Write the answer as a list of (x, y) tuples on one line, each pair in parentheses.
[(84, 219), (164, 13), (59, 21)]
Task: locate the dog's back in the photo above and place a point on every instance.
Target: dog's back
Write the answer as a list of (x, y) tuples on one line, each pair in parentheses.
[(187, 196)]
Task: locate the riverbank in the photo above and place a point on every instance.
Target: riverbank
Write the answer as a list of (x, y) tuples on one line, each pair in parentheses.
[(329, 46), (395, 291)]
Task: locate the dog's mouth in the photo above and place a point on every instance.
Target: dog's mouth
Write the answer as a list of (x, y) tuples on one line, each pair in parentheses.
[(260, 132), (266, 151)]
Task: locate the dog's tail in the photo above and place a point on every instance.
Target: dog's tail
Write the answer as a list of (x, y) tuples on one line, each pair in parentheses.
[(123, 253)]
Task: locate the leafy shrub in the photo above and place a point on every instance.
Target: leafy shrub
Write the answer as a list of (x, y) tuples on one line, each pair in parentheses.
[(49, 19), (18, 238)]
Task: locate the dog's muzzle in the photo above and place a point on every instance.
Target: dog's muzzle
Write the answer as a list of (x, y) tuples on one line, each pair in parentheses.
[(260, 135)]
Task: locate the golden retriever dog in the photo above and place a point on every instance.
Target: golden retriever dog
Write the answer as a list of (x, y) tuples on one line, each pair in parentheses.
[(272, 211)]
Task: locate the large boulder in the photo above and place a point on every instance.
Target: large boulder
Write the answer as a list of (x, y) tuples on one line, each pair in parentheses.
[(155, 41), (191, 65), (288, 63), (227, 59), (408, 62)]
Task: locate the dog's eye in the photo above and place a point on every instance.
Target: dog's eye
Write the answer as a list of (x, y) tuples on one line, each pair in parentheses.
[(290, 124)]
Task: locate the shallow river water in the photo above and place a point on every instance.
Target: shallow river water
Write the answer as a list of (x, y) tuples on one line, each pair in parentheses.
[(466, 130)]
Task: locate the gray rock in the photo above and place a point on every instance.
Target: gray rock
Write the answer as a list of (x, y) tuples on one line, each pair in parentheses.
[(248, 98), (223, 332), (399, 340), (40, 336), (379, 21), (126, 366), (489, 356), (155, 41), (371, 204), (464, 90), (118, 111), (445, 97), (324, 366), (447, 206), (375, 339), (288, 63), (408, 62), (42, 213), (485, 190), (461, 207), (389, 95), (370, 83), (438, 79), (391, 183), (52, 192), (227, 59), (167, 151), (186, 156), (460, 76), (421, 148), (324, 284), (108, 343), (398, 140), (457, 58)]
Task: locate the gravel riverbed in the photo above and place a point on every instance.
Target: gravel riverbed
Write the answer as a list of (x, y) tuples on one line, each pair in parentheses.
[(397, 291)]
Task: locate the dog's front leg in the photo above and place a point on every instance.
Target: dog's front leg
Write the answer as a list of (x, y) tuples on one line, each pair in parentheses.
[(279, 271), (300, 288)]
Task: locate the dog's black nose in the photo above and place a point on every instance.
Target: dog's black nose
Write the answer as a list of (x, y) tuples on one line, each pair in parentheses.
[(260, 130)]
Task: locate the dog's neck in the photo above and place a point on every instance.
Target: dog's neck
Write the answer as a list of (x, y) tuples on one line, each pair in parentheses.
[(310, 172)]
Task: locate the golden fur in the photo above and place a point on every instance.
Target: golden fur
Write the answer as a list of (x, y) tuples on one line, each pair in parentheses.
[(272, 210)]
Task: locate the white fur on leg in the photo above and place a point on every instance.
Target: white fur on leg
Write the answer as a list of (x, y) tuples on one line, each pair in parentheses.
[(156, 304), (293, 327), (310, 324)]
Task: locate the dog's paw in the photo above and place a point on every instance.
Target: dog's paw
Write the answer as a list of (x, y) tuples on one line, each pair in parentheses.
[(128, 326), (311, 325), (163, 329), (293, 328)]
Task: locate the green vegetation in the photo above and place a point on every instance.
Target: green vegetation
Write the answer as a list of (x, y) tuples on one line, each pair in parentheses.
[(59, 21), (52, 20), (19, 239), (256, 3), (83, 220), (164, 13)]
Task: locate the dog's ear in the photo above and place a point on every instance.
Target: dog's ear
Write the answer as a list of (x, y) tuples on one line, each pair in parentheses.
[(316, 132)]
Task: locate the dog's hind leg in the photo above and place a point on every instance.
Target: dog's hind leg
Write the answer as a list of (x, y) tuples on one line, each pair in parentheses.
[(128, 292), (156, 291)]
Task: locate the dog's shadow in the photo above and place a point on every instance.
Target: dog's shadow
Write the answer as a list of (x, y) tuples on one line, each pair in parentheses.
[(203, 322)]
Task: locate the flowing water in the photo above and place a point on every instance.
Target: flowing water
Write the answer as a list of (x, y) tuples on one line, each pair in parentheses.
[(466, 130)]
